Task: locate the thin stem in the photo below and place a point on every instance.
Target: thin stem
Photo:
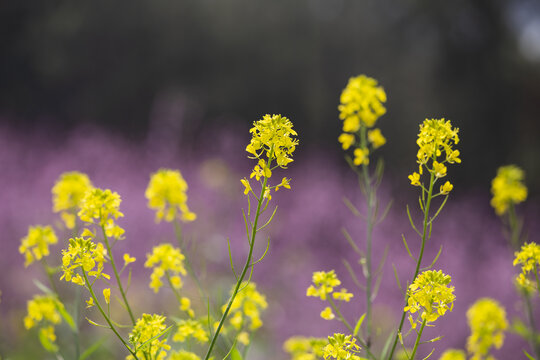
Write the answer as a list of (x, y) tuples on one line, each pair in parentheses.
[(49, 275), (246, 265), (117, 276), (417, 342), (418, 263), (107, 319), (532, 339)]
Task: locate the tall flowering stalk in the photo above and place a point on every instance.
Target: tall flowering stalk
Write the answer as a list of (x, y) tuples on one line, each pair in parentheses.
[(272, 145), (436, 141), (361, 105)]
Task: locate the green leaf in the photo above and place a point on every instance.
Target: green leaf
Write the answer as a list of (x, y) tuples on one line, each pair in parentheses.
[(92, 349), (42, 287), (47, 343), (235, 354), (528, 355), (66, 316), (359, 324)]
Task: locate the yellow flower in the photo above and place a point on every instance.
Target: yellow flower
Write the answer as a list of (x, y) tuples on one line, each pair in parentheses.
[(85, 255), (342, 295), (304, 348), (247, 305), (107, 295), (341, 347), (361, 102), (431, 295), (167, 194), (508, 188), (35, 245), (128, 259), (166, 260), (243, 338), (435, 136), (376, 138), (453, 355), (323, 284), (90, 303), (346, 140), (42, 309), (184, 355), (487, 320), (529, 258), (415, 179), (285, 183), (246, 184), (446, 188), (146, 328), (190, 328), (439, 169), (327, 313), (67, 194), (361, 156)]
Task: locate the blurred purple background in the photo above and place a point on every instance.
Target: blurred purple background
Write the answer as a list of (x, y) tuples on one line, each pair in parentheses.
[(305, 234)]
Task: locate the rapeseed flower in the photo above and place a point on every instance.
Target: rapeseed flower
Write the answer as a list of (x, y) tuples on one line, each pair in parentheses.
[(508, 188), (304, 348), (487, 320), (430, 295), (165, 260), (341, 347), (376, 138), (247, 305), (453, 355), (44, 312), (103, 206), (529, 259), (190, 328), (146, 328), (167, 194), (35, 245), (323, 284), (84, 254), (184, 355), (67, 194)]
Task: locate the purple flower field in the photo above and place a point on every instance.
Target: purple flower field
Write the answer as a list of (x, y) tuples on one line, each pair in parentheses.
[(306, 235)]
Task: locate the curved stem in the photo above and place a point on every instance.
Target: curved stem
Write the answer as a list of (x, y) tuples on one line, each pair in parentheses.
[(107, 319), (246, 266), (419, 262), (417, 342), (117, 276)]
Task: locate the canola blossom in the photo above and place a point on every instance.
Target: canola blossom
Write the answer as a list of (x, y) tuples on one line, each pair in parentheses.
[(184, 355), (436, 141), (67, 194), (167, 261), (529, 259), (35, 245), (44, 312), (102, 206), (341, 347), (430, 295), (146, 328), (508, 188), (190, 329), (246, 307), (487, 320), (453, 355), (167, 194), (85, 255), (305, 348), (323, 284)]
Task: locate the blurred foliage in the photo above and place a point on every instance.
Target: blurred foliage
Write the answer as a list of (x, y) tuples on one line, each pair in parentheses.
[(117, 63)]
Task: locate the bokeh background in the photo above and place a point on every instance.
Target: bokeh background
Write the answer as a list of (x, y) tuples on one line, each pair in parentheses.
[(119, 90)]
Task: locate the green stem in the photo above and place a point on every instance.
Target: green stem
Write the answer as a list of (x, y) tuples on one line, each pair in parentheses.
[(532, 340), (418, 263), (49, 276), (117, 276), (107, 319), (417, 342), (246, 265)]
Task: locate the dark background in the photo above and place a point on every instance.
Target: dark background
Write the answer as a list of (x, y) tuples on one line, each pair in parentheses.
[(210, 64)]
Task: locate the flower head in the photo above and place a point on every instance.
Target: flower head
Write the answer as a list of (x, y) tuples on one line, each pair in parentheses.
[(67, 194), (323, 284), (304, 348), (487, 320), (341, 347), (103, 206), (453, 355), (376, 138), (85, 255), (190, 329), (430, 295), (43, 309), (508, 188), (166, 260), (361, 103), (529, 259), (167, 194), (247, 306), (146, 328), (35, 245), (184, 355)]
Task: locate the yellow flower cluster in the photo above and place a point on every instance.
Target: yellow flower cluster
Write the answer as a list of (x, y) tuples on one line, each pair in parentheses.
[(272, 136), (166, 260), (35, 245), (361, 105), (487, 320), (529, 259), (341, 347), (43, 312), (323, 285), (435, 137), (103, 206), (453, 355), (507, 188), (190, 328), (247, 305), (146, 328), (166, 193), (85, 254), (67, 194), (431, 294), (304, 348), (184, 355)]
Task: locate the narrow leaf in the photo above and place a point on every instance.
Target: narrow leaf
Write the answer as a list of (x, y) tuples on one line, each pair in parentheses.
[(263, 255), (269, 220), (352, 208), (429, 354), (230, 259), (351, 242), (528, 355), (412, 222), (66, 316), (397, 279), (359, 324), (407, 247), (91, 349), (386, 211), (353, 275)]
